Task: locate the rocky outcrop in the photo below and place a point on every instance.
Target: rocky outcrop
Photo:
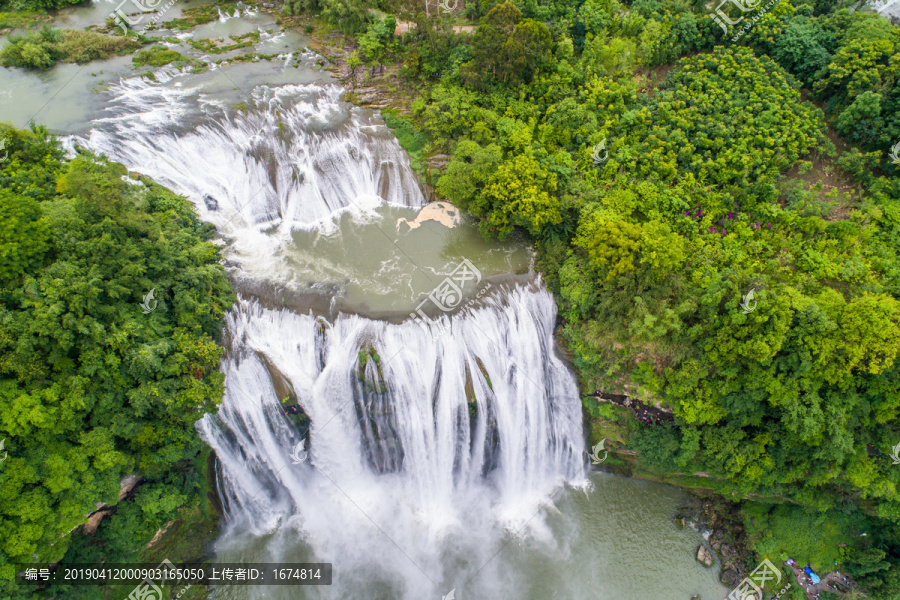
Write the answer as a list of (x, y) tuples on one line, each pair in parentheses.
[(93, 522), (719, 522), (159, 535), (127, 488), (128, 485), (705, 557), (645, 412)]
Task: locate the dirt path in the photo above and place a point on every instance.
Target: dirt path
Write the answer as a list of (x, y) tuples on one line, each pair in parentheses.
[(407, 26), (833, 582), (643, 411)]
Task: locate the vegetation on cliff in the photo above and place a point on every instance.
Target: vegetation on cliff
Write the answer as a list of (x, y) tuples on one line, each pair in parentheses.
[(99, 377)]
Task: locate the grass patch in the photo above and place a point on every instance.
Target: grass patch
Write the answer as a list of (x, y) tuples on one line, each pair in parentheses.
[(199, 15), (250, 57), (411, 139), (157, 56), (212, 45), (43, 49), (22, 19), (809, 537)]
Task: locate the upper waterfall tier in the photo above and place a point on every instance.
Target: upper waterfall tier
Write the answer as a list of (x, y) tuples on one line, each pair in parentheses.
[(294, 155)]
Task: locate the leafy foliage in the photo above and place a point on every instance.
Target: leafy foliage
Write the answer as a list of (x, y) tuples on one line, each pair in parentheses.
[(92, 387), (44, 48)]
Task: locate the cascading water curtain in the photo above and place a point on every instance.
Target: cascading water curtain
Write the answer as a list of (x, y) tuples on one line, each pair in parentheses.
[(425, 451)]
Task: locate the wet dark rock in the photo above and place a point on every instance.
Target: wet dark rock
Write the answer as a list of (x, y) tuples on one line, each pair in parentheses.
[(730, 578)]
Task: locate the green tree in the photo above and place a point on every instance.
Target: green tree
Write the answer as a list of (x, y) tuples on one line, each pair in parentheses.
[(506, 49), (94, 389), (518, 194)]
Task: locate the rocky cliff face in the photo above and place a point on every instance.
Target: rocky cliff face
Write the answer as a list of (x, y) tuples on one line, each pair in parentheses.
[(126, 488)]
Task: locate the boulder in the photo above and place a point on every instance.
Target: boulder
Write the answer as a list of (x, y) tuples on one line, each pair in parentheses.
[(705, 557), (93, 522), (730, 578)]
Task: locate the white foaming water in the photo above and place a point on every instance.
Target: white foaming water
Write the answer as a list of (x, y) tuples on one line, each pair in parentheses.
[(421, 466), (295, 157), (290, 158)]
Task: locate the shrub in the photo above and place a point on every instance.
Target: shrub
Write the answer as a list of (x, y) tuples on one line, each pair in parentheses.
[(42, 49)]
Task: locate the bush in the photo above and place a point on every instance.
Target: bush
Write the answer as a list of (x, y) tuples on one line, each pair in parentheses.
[(42, 49), (156, 56)]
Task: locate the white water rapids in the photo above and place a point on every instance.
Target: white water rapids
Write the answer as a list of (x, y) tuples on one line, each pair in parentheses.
[(292, 156), (424, 464), (408, 483)]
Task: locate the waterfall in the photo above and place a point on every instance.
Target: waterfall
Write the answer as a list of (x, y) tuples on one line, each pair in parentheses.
[(291, 157), (431, 453), (429, 447)]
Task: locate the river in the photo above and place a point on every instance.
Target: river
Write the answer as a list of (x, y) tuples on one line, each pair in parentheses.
[(445, 446)]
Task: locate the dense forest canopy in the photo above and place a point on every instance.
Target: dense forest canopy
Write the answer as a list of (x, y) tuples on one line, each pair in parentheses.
[(98, 380)]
